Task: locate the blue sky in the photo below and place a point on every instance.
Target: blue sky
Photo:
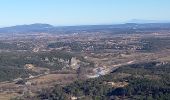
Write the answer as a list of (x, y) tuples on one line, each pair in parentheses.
[(81, 12)]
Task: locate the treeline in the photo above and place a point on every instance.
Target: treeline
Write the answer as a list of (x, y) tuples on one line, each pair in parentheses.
[(8, 74)]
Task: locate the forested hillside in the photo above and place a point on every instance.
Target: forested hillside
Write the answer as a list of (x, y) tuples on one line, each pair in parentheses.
[(144, 81)]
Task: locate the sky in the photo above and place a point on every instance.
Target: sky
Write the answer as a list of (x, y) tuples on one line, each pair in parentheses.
[(81, 12)]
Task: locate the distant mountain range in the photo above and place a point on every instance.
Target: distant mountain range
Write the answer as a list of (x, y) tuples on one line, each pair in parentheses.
[(27, 28), (140, 21), (46, 28)]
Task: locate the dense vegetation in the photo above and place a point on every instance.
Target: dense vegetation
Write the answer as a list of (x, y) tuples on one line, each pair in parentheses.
[(12, 63), (16, 46), (155, 43), (146, 81)]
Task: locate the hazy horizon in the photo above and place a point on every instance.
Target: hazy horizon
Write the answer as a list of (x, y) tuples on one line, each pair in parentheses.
[(76, 12)]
